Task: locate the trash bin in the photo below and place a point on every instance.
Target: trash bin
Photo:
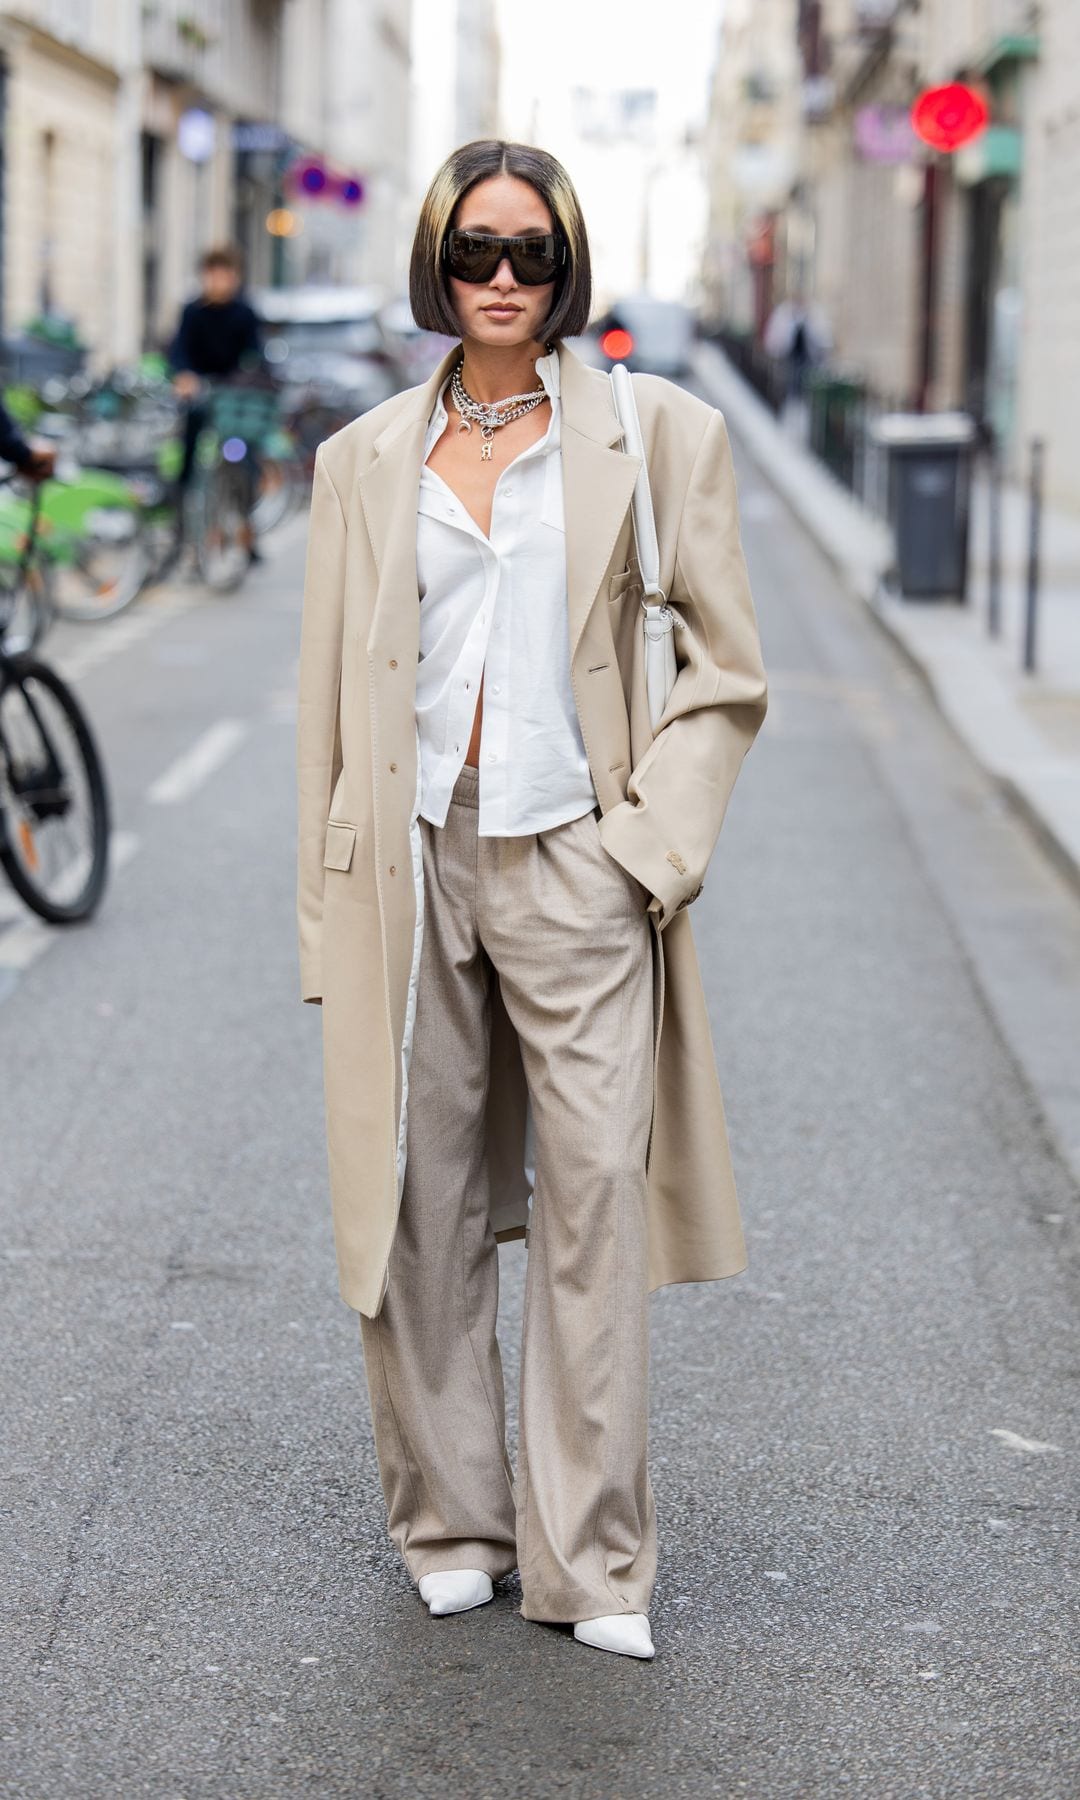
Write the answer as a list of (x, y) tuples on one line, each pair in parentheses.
[(929, 491), (835, 400)]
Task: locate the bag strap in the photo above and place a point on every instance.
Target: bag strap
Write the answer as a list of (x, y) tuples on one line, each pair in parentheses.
[(648, 549)]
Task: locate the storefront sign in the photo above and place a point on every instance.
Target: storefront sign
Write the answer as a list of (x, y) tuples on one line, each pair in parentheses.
[(256, 135), (883, 134)]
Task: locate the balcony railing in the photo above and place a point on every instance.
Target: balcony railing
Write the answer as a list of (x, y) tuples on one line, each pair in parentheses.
[(228, 49)]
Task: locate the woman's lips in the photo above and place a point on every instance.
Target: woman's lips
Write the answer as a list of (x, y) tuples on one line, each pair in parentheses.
[(501, 312)]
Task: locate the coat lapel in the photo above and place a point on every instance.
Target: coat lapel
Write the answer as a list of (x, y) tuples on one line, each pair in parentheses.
[(389, 487), (598, 481)]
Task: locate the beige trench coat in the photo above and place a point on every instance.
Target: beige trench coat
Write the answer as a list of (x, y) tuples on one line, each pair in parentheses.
[(360, 878)]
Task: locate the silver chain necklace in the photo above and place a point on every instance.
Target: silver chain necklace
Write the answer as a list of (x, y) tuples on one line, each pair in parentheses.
[(489, 415)]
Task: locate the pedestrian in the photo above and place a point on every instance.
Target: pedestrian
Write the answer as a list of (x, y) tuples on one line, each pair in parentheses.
[(217, 339), (798, 338), (495, 861)]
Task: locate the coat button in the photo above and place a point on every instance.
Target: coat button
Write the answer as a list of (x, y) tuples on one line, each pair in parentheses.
[(393, 662), (393, 871), (393, 768)]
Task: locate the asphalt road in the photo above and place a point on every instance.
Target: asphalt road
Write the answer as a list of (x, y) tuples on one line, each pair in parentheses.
[(864, 1447)]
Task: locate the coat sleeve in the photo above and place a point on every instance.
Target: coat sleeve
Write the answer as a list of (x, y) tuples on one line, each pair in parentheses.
[(13, 446), (318, 734), (666, 830)]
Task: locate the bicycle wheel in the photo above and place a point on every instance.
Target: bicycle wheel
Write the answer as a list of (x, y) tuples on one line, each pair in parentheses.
[(54, 806), (314, 422), (277, 495), (105, 570), (27, 604), (223, 535)]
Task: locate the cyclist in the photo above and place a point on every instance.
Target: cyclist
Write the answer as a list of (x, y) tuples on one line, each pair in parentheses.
[(218, 336)]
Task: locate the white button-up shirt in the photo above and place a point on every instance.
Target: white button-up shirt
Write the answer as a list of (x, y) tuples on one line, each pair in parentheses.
[(495, 606)]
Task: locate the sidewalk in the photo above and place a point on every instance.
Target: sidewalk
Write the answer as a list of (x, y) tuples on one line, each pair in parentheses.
[(1024, 729)]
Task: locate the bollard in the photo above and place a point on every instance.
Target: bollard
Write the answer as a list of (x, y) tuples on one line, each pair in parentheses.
[(1034, 532), (993, 596)]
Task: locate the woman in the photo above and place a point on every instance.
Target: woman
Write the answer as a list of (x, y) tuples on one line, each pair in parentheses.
[(495, 860)]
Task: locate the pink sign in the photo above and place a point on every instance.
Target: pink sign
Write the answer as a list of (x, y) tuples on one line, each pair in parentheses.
[(883, 134)]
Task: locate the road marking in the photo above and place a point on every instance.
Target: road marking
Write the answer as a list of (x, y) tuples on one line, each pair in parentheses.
[(23, 936), (183, 777), (22, 944), (81, 647), (758, 503), (1025, 1446), (281, 708), (110, 636)]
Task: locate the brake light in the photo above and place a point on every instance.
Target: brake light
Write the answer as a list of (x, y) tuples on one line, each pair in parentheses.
[(616, 343)]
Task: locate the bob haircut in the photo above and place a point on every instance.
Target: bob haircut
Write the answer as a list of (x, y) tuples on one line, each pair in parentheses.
[(429, 292)]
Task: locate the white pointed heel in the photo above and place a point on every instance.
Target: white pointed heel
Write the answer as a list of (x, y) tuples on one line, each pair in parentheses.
[(628, 1634), (455, 1590)]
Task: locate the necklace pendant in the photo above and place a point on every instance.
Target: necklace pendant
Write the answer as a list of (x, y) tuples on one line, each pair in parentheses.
[(464, 425), (485, 450)]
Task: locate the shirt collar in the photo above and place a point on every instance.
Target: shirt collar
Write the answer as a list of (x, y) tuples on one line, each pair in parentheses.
[(547, 367)]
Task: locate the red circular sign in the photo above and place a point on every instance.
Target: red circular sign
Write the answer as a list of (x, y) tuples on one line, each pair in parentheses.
[(616, 343), (950, 116)]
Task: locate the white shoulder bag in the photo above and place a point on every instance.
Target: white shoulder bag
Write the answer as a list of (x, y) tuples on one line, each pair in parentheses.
[(660, 619)]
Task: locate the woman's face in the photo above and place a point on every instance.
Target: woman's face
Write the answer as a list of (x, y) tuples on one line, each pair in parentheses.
[(501, 311)]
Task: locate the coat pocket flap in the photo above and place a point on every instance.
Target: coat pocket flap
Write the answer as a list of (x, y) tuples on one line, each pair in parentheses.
[(626, 578), (339, 845)]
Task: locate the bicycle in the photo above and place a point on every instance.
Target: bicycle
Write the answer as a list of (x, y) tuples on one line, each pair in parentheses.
[(54, 803), (220, 510), (27, 598), (94, 526)]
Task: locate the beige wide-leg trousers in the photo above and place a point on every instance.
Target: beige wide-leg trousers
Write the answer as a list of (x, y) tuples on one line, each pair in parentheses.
[(564, 930)]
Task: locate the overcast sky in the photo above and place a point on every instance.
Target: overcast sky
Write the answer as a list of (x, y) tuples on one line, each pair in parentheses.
[(588, 43), (644, 205), (645, 208)]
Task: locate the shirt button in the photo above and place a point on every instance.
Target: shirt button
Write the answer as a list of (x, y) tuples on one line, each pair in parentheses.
[(496, 689), (508, 489), (452, 509), (393, 662), (492, 756)]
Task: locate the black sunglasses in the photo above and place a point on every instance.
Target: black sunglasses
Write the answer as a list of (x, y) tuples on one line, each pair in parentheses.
[(474, 256)]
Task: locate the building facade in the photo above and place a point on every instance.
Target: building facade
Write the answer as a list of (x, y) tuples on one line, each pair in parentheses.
[(752, 149), (947, 279), (61, 93), (362, 121), (135, 133), (456, 67)]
